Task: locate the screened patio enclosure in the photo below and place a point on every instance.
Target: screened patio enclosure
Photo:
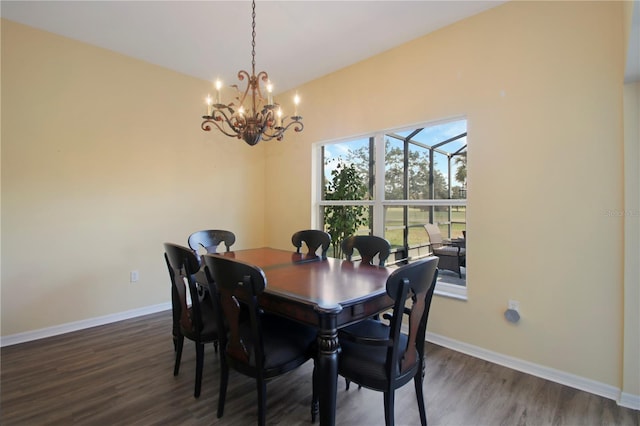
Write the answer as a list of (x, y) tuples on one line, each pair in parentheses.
[(429, 194), (392, 183)]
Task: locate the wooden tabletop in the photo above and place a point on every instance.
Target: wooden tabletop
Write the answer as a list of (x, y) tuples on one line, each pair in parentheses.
[(327, 283)]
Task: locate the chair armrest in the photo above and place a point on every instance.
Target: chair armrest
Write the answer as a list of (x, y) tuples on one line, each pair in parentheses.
[(454, 246), (388, 316)]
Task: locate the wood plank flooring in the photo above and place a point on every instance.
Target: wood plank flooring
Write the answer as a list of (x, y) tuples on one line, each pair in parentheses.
[(122, 374)]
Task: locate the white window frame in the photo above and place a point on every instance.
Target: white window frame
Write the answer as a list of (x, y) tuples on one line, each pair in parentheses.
[(378, 203)]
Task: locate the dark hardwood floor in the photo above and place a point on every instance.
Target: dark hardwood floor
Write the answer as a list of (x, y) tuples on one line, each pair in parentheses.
[(123, 374)]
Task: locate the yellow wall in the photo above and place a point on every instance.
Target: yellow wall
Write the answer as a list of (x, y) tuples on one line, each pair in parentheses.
[(541, 86), (103, 160)]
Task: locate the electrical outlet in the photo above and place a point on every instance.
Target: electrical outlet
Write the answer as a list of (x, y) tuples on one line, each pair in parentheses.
[(134, 276), (515, 305)]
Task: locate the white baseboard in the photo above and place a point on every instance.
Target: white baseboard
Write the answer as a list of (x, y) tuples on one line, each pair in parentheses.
[(564, 378), (14, 339), (629, 400)]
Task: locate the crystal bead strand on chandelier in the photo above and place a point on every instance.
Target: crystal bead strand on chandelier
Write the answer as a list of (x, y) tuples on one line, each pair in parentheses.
[(263, 119)]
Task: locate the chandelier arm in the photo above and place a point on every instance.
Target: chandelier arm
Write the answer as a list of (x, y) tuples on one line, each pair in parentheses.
[(266, 117), (297, 123), (262, 75), (242, 74), (221, 116), (207, 128), (279, 132)]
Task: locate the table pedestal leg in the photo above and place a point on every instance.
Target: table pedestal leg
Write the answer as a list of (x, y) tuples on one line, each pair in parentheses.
[(327, 370)]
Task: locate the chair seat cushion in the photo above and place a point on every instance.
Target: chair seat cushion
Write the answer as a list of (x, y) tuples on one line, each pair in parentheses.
[(359, 361), (209, 317), (285, 342), (209, 330)]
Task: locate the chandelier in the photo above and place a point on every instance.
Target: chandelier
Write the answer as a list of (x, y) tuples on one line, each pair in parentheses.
[(262, 119)]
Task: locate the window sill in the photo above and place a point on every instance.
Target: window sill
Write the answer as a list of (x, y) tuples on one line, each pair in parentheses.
[(451, 291)]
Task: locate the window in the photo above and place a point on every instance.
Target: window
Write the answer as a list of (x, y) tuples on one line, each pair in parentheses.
[(392, 183)]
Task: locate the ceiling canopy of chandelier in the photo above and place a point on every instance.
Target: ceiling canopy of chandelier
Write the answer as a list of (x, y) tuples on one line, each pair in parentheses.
[(262, 119)]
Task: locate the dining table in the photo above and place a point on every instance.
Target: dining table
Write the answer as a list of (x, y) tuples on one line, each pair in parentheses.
[(325, 293)]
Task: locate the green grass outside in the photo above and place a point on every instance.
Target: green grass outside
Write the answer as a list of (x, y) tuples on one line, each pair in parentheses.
[(418, 217)]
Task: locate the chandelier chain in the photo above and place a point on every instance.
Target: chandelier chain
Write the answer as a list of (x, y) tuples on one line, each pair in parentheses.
[(253, 38)]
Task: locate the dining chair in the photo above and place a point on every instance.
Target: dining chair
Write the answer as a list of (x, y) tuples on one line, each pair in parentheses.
[(196, 321), (368, 246), (262, 346), (378, 355), (210, 239), (314, 239), (452, 257)]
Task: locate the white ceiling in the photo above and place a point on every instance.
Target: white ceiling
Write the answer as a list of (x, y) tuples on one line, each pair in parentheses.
[(297, 41)]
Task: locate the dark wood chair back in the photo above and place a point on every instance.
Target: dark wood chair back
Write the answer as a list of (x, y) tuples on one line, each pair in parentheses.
[(238, 282), (417, 279), (368, 246), (210, 239), (257, 345), (183, 265), (314, 239), (377, 355), (192, 307)]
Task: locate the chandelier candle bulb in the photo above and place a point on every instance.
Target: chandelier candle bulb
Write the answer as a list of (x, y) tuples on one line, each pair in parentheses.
[(218, 87), (269, 93), (296, 101), (209, 102)]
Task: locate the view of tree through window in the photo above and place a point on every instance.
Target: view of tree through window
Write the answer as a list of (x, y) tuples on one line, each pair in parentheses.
[(346, 183), (391, 184)]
